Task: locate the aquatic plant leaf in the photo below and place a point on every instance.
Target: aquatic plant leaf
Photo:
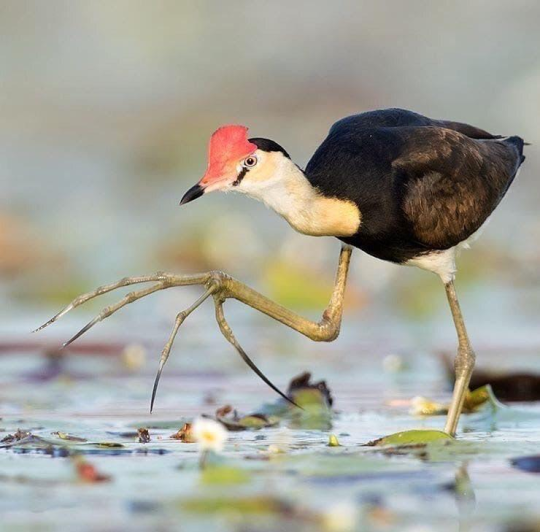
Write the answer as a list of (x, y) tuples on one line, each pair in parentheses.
[(306, 393), (333, 441), (260, 505), (480, 397), (257, 421), (229, 417), (315, 400), (531, 464), (475, 401), (22, 438), (223, 475), (68, 437), (16, 436), (185, 434), (411, 437), (507, 386), (144, 435)]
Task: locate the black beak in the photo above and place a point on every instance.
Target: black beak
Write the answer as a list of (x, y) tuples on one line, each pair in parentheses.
[(192, 194)]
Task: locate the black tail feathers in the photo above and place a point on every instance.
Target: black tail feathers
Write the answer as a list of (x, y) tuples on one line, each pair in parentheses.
[(519, 143)]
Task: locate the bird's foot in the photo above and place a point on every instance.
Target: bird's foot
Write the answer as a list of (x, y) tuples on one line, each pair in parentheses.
[(216, 284)]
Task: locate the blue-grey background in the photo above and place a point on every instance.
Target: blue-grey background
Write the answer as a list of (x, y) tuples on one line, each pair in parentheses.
[(106, 109)]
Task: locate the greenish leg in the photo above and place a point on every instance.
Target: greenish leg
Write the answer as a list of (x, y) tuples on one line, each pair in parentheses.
[(464, 363), (222, 287)]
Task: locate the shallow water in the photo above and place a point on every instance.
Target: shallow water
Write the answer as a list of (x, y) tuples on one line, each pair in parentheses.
[(467, 484)]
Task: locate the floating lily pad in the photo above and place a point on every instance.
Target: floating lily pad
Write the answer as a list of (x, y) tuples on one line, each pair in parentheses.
[(246, 505), (314, 398), (230, 418), (222, 475), (411, 437), (68, 437)]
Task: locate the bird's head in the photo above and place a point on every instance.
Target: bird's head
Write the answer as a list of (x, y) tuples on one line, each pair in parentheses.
[(236, 163)]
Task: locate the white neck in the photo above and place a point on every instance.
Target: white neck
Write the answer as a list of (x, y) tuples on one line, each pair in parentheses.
[(283, 187)]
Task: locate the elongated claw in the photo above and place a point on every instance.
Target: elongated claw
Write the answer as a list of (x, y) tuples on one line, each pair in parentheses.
[(82, 331), (222, 287), (228, 334), (156, 384), (167, 349), (54, 318), (107, 311), (126, 281)]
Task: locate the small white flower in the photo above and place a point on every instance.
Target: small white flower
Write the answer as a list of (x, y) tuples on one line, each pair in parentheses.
[(420, 406), (209, 434), (275, 449), (341, 517)]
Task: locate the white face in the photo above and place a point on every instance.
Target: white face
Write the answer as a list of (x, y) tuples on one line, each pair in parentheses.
[(263, 172)]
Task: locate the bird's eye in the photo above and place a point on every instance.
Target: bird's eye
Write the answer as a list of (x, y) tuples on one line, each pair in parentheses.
[(250, 161)]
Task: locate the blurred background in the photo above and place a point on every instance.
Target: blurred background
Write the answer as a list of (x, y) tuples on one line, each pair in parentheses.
[(107, 108)]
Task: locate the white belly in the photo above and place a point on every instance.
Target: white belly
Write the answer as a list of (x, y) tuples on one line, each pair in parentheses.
[(443, 263)]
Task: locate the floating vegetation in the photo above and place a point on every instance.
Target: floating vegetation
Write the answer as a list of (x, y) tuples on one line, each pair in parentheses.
[(144, 435), (284, 467), (333, 441), (87, 472), (230, 418), (185, 434), (412, 437)]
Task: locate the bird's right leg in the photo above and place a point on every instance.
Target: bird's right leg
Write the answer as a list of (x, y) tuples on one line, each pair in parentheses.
[(464, 363)]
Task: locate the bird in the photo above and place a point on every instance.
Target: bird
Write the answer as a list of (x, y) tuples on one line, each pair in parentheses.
[(395, 184)]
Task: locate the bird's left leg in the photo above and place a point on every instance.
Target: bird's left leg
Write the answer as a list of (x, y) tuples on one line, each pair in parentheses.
[(222, 287), (464, 363)]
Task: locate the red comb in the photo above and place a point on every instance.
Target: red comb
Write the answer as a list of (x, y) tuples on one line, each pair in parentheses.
[(227, 146)]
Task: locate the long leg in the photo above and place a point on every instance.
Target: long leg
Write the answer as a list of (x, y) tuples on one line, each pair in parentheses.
[(221, 286), (325, 330), (464, 363)]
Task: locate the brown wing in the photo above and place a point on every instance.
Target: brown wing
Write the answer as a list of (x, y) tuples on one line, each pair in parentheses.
[(449, 183), (472, 132)]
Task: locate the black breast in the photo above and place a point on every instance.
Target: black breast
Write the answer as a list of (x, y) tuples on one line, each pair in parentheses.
[(420, 184)]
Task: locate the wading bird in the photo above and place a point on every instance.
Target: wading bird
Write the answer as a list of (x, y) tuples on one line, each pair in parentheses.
[(397, 185)]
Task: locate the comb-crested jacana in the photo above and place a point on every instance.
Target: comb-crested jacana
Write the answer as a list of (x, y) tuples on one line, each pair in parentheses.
[(395, 184)]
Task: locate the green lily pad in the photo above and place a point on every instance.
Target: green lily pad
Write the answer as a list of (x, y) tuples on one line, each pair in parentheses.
[(411, 437), (230, 418), (224, 475), (248, 505)]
